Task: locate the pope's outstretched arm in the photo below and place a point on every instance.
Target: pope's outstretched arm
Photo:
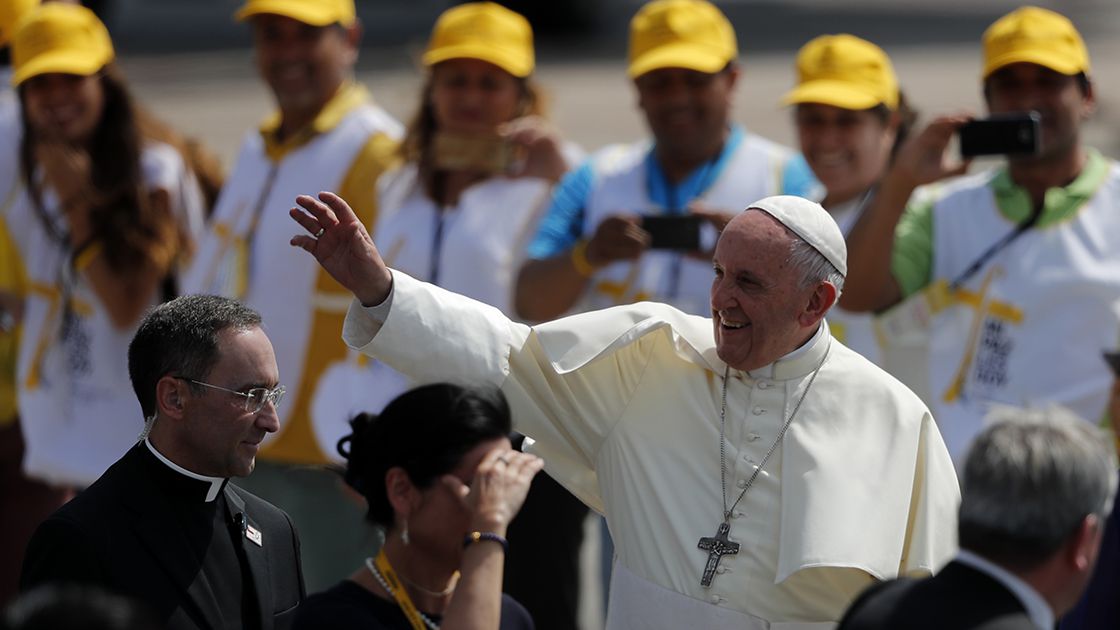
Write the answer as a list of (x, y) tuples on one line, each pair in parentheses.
[(343, 247)]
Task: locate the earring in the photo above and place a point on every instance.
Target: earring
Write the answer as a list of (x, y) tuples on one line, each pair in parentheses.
[(404, 534)]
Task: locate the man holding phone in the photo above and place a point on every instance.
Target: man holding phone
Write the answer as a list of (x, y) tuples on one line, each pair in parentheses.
[(1017, 268), (597, 238)]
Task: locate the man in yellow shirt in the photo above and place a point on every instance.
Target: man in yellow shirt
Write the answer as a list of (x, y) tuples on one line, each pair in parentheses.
[(326, 133)]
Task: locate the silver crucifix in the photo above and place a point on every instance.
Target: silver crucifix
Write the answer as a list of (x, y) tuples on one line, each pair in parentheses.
[(717, 546)]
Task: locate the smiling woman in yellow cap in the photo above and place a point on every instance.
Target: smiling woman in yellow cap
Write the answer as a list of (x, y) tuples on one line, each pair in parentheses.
[(103, 219), (479, 161), (850, 116)]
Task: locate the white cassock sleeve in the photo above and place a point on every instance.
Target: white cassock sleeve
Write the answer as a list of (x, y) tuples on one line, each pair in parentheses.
[(433, 335)]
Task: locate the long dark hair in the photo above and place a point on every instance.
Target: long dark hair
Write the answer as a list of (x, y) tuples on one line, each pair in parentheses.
[(123, 219), (425, 431)]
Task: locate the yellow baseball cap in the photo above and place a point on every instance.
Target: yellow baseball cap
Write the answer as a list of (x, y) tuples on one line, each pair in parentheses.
[(486, 31), (59, 37), (10, 13), (1038, 36), (691, 34), (313, 12), (844, 71)]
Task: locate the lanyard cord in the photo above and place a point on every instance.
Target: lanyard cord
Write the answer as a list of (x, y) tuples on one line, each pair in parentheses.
[(1009, 238)]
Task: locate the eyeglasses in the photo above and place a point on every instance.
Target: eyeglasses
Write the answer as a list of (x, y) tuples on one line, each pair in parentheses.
[(254, 398)]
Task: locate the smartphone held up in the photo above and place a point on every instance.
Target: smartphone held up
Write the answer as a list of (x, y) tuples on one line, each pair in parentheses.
[(478, 153), (1014, 133)]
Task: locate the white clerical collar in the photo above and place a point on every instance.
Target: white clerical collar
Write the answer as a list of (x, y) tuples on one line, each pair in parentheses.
[(215, 482), (1037, 608), (791, 359)]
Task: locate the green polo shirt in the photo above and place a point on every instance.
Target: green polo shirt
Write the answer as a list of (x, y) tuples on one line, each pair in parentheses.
[(912, 256)]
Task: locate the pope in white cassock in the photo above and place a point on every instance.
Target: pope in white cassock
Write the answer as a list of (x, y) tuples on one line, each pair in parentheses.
[(754, 472)]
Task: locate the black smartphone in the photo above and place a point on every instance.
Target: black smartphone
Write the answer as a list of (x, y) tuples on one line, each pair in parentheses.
[(1000, 134), (1113, 361), (673, 231)]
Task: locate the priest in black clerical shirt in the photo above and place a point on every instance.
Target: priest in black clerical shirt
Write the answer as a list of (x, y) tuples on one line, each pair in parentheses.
[(164, 525)]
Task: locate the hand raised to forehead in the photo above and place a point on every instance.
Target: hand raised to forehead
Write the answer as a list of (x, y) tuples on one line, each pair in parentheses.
[(500, 484), (342, 246)]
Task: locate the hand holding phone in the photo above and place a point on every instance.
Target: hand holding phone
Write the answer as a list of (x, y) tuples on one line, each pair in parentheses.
[(679, 232), (1015, 133), (476, 153)]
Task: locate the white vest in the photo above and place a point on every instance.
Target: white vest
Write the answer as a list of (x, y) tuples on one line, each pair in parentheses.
[(855, 330), (78, 411), (483, 237), (246, 254), (753, 172), (1029, 327)]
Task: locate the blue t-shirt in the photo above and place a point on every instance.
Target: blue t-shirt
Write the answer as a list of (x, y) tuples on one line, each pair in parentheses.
[(562, 225)]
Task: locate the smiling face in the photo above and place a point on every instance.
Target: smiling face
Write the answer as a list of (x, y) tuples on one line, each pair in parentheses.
[(1058, 97), (65, 107), (847, 149), (471, 96), (219, 437), (687, 111), (760, 312), (304, 65)]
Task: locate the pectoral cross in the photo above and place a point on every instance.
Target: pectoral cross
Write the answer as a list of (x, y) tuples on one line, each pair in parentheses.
[(717, 546)]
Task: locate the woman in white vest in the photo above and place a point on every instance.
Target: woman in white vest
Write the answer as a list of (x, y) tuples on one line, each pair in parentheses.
[(850, 117), (479, 162), (104, 218)]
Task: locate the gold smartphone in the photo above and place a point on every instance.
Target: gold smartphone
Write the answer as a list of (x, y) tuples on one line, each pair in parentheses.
[(472, 152)]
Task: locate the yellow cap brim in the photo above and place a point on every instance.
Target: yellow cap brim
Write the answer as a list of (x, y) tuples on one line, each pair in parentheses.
[(1046, 59), (836, 93), (59, 61), (518, 68), (685, 56), (299, 13)]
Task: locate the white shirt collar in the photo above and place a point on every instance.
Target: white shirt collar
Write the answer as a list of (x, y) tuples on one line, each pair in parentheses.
[(1037, 609), (767, 371), (215, 482)]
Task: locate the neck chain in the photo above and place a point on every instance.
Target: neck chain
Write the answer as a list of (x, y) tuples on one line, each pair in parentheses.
[(395, 595), (773, 447), (444, 593), (721, 544)]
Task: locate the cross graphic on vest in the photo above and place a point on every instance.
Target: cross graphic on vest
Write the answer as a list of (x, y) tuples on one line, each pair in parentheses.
[(985, 307), (717, 547)]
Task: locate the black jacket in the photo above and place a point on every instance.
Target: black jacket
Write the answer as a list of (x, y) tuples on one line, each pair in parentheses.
[(123, 534), (958, 598)]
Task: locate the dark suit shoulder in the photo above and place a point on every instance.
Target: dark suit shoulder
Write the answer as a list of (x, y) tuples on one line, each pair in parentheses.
[(61, 550), (958, 597)]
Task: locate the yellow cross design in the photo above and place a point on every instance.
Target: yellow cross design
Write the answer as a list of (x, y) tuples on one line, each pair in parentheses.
[(617, 290), (983, 307), (53, 296)]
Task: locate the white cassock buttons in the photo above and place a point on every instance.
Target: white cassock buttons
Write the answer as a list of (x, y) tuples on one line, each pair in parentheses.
[(742, 483), (715, 599), (758, 411)]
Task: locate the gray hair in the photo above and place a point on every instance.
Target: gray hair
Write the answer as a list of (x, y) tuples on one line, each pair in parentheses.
[(1030, 479), (812, 265)]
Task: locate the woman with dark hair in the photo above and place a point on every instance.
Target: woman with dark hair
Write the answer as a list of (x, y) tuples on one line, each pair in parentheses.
[(104, 219), (441, 480), (850, 117), (478, 163)]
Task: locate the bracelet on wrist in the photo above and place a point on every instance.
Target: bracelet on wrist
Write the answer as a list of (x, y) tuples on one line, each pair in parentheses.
[(579, 259), (475, 537)]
